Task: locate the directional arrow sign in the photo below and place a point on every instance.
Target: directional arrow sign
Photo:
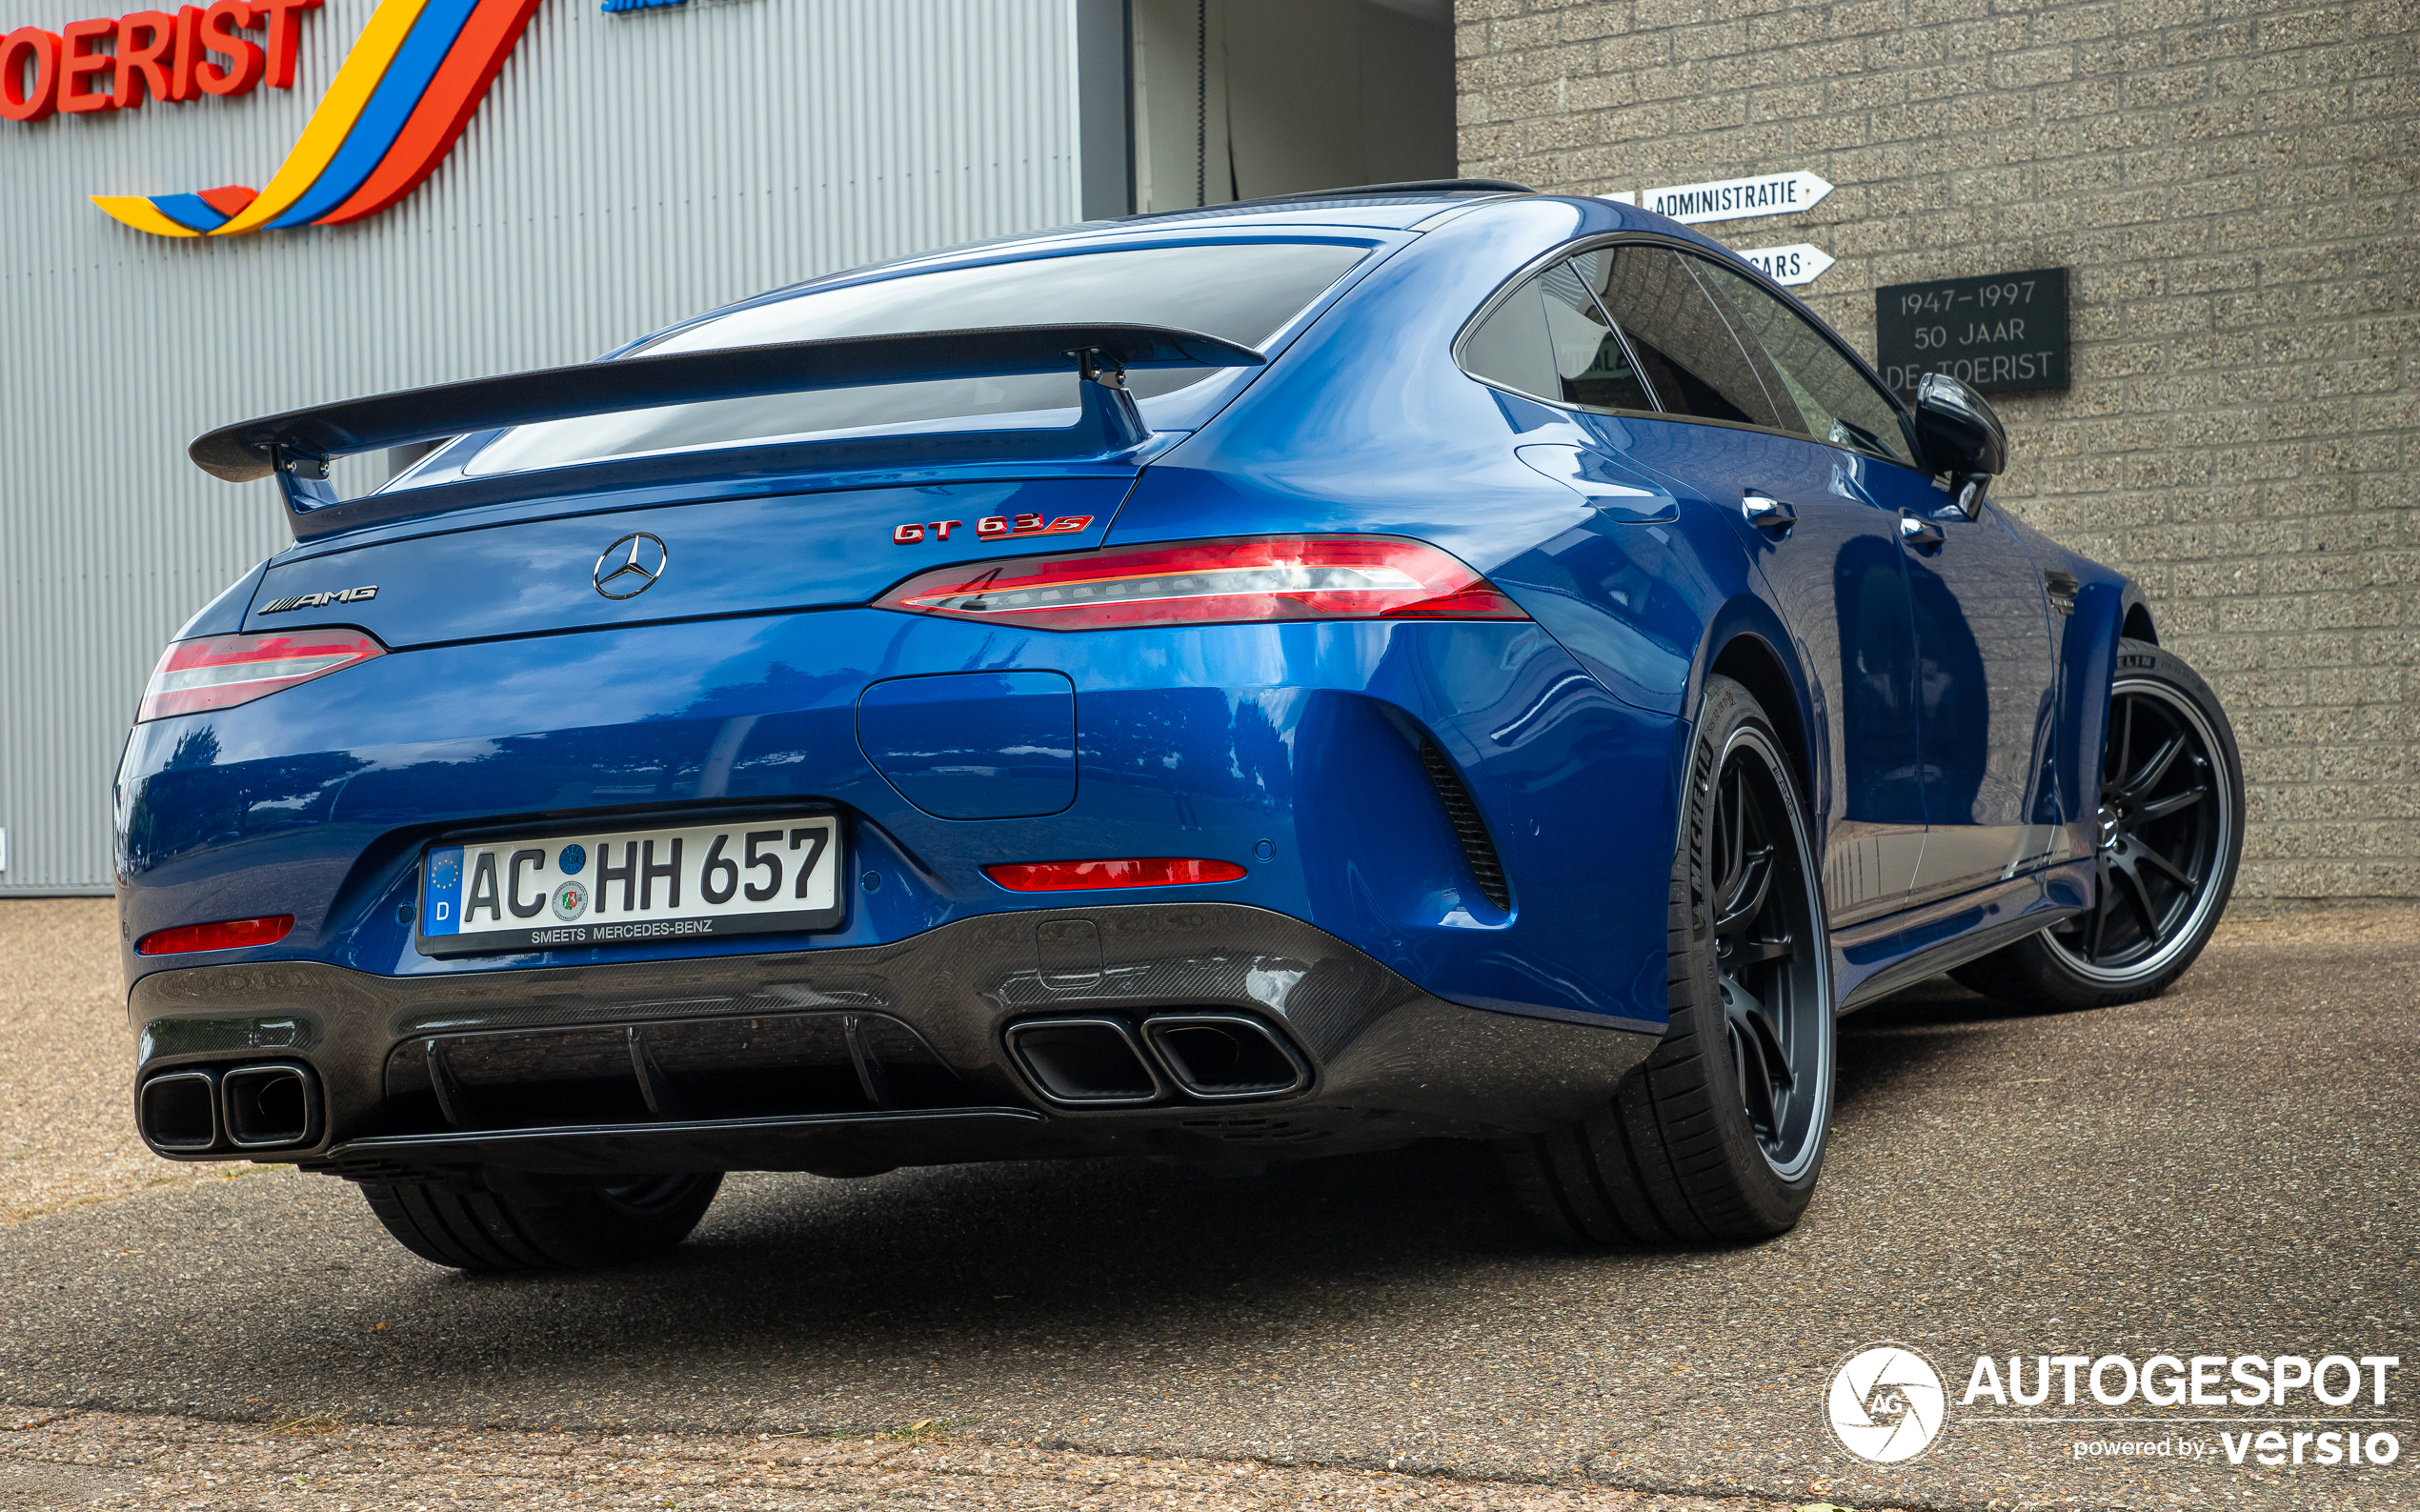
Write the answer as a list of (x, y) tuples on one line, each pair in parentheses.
[(1737, 198), (1797, 263)]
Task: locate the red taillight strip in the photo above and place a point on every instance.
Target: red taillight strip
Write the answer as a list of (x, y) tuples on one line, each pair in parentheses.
[(1280, 577), (230, 934), (1076, 876), (219, 672)]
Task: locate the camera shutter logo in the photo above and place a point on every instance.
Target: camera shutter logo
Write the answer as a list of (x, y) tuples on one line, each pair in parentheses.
[(1887, 1404)]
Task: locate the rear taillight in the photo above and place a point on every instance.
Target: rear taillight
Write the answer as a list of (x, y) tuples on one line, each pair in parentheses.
[(229, 934), (219, 672), (1079, 876), (1273, 577)]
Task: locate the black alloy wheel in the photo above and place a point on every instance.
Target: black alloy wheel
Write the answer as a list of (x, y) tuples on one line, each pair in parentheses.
[(1761, 931), (2166, 840), (2161, 830), (1720, 1135)]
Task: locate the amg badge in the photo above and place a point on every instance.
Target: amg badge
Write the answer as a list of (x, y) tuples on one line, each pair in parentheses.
[(348, 595)]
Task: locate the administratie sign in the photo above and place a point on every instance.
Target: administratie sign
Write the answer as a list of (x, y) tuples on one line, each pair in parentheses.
[(1737, 198)]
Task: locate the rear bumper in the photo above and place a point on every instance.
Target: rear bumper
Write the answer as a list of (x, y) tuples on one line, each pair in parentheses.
[(1295, 751), (848, 1060)]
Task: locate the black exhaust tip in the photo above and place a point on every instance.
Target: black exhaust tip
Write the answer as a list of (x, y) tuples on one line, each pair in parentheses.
[(270, 1107), (1091, 1062), (177, 1112), (1219, 1058)]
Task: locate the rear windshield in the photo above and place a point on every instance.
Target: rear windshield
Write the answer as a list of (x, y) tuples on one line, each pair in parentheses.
[(1245, 292)]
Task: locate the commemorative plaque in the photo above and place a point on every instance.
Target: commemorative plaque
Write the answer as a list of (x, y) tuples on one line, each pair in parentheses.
[(2004, 334)]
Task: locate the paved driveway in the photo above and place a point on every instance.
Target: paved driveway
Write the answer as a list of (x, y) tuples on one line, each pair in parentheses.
[(2229, 1170)]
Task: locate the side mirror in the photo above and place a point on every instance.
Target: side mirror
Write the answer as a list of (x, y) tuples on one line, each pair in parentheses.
[(1960, 436)]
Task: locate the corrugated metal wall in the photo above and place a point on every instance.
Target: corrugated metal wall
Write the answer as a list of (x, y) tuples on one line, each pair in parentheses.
[(626, 171)]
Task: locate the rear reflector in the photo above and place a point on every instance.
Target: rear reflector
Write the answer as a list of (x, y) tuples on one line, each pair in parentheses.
[(219, 672), (231, 933), (1274, 578), (1076, 876)]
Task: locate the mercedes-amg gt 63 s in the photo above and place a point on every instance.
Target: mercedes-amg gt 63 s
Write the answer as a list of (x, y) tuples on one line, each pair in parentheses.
[(1434, 661)]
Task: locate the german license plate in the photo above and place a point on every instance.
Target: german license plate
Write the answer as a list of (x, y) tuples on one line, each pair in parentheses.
[(750, 877)]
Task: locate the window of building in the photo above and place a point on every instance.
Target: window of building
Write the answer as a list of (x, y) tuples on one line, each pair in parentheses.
[(1231, 99)]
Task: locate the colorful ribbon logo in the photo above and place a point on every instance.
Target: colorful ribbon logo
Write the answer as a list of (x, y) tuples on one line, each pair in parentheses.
[(401, 100)]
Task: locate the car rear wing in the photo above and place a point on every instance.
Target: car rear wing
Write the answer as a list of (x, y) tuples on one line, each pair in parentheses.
[(296, 447)]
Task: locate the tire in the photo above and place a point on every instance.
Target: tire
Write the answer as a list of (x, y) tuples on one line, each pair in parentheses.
[(524, 1223), (2172, 836), (1720, 1134)]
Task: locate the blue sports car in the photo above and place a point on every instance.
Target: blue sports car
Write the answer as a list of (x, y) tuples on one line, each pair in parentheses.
[(1294, 677)]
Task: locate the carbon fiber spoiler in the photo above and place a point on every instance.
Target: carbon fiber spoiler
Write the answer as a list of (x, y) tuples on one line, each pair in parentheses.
[(295, 446)]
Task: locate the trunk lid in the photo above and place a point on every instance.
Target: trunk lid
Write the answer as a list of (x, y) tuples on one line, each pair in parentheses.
[(676, 561)]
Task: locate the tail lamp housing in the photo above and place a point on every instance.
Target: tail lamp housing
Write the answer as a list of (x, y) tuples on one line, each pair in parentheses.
[(1216, 582), (219, 672)]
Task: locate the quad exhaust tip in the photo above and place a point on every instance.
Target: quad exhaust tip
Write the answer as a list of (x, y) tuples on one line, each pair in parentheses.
[(1221, 1058), (273, 1106), (178, 1112), (270, 1107), (1085, 1062), (1209, 1056)]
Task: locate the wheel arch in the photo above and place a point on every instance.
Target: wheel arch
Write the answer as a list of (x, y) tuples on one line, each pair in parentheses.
[(1749, 659), (2137, 624)]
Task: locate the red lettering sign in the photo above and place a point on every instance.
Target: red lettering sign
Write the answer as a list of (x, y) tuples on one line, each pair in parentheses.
[(143, 41), (158, 56), (79, 62), (29, 75)]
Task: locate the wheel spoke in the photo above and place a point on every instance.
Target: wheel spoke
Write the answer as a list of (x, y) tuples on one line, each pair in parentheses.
[(1768, 1043), (2154, 768), (1757, 951), (1756, 1082), (2141, 896), (1739, 909), (2162, 808), (2126, 741), (2175, 873), (1730, 856), (2103, 899)]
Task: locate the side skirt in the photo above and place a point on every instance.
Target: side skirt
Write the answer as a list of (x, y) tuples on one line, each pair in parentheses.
[(1874, 959)]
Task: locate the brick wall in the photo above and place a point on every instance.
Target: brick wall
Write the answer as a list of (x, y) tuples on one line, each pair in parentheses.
[(2233, 183)]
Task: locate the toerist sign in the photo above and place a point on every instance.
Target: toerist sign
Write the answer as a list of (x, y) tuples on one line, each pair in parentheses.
[(1737, 198)]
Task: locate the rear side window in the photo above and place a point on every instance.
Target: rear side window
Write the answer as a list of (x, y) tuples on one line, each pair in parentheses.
[(1835, 401), (1550, 339), (1245, 293), (1683, 343)]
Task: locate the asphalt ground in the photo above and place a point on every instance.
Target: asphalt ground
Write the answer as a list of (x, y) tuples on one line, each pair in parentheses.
[(2226, 1170)]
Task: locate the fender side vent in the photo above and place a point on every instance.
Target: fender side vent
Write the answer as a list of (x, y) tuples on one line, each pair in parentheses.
[(1477, 850)]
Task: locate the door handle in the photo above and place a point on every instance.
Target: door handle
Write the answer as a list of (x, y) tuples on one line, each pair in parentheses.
[(1920, 532), (1772, 515)]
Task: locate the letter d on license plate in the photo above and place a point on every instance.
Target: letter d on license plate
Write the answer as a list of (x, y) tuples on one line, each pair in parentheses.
[(751, 876)]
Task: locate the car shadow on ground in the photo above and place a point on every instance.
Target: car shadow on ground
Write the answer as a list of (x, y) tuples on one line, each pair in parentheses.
[(1104, 1228), (969, 1235)]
